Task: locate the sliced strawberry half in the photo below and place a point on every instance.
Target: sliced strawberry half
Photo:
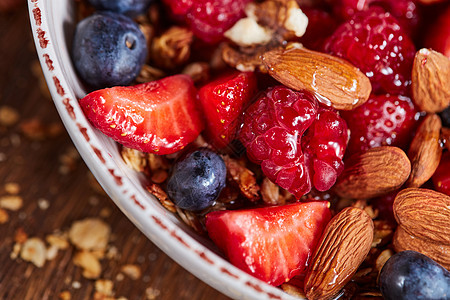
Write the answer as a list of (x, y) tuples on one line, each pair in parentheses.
[(274, 243), (159, 116), (223, 102)]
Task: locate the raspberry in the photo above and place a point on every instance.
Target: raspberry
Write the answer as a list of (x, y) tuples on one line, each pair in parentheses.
[(209, 19), (405, 11), (382, 120), (321, 25), (272, 133), (179, 8), (375, 43)]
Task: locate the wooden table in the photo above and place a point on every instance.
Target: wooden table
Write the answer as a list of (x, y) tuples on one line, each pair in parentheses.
[(56, 189)]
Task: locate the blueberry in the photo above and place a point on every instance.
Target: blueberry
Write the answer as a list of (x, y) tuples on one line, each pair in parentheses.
[(445, 117), (197, 180), (108, 49), (129, 7), (412, 275)]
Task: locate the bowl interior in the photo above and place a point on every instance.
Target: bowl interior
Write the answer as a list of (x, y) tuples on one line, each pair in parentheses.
[(53, 24)]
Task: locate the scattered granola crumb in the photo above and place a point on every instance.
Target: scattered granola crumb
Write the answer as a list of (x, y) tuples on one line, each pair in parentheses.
[(112, 253), (132, 271), (20, 236), (134, 159), (11, 202), (34, 251), (16, 250), (52, 251), (76, 285), (90, 234), (120, 277), (43, 204), (105, 212), (8, 116), (12, 188), (68, 160), (58, 240), (65, 295), (152, 293), (90, 264), (4, 217), (104, 286), (93, 200)]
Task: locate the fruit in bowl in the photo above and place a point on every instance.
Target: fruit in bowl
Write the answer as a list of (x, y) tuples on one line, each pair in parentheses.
[(274, 154)]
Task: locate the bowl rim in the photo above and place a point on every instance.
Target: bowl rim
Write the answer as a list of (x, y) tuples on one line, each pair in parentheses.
[(156, 225)]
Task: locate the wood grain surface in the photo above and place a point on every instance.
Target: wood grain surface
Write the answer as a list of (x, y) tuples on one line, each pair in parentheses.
[(57, 190)]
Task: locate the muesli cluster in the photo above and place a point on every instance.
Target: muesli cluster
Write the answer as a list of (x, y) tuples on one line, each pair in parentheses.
[(308, 139)]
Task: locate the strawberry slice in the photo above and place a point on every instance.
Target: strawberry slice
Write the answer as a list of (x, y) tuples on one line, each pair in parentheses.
[(223, 102), (274, 243), (158, 116)]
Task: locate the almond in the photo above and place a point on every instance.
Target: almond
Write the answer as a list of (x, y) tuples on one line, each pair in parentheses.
[(343, 246), (424, 214), (425, 151), (430, 81), (439, 252), (334, 81), (373, 173)]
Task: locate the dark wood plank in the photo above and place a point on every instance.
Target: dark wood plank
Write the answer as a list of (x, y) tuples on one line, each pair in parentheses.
[(36, 167)]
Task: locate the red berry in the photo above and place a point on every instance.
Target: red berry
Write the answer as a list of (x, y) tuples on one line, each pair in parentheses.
[(385, 208), (209, 19), (438, 36), (274, 243), (382, 120), (158, 117), (324, 146), (272, 133), (375, 43), (441, 178), (223, 102), (179, 8), (321, 25), (405, 11)]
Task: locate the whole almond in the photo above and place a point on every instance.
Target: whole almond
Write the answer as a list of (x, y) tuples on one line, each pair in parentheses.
[(343, 246), (439, 252), (430, 81), (425, 151), (424, 214), (334, 81), (373, 173)]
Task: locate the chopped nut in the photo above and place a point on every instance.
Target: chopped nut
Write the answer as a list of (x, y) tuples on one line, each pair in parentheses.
[(270, 193), (382, 259), (12, 188), (198, 71), (247, 32), (89, 234), (159, 176), (34, 251), (11, 202), (161, 195), (4, 217), (132, 271), (191, 219), (156, 162), (104, 287), (148, 74), (65, 295), (135, 159), (243, 177), (90, 264), (172, 48), (8, 116), (382, 233)]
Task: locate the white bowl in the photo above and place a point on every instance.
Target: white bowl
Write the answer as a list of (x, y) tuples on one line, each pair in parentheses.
[(53, 23)]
